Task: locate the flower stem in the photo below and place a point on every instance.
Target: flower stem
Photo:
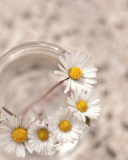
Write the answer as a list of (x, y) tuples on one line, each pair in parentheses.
[(42, 97), (9, 112)]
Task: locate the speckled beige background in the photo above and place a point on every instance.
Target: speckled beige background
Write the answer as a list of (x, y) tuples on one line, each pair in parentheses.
[(98, 27)]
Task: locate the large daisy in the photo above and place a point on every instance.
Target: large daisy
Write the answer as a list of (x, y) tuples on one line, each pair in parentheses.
[(40, 138), (14, 136), (84, 104), (65, 126), (74, 69)]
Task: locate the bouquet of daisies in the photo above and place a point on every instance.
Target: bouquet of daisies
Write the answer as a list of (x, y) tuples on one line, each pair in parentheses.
[(19, 134)]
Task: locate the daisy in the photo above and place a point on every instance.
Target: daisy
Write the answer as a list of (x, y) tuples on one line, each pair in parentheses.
[(14, 136), (65, 126), (75, 72), (40, 138), (84, 105), (2, 113)]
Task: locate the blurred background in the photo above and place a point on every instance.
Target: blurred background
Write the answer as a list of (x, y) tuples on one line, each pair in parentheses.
[(100, 29)]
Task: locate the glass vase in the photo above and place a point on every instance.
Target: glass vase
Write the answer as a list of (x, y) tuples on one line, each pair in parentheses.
[(26, 73)]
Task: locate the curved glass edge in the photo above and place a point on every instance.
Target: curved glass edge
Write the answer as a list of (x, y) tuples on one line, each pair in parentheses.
[(29, 44)]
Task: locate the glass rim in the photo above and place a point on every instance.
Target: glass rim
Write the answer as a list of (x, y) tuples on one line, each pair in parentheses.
[(29, 44)]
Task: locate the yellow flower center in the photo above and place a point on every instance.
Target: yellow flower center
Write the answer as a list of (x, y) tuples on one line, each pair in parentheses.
[(82, 106), (43, 134), (19, 135), (75, 73), (65, 126)]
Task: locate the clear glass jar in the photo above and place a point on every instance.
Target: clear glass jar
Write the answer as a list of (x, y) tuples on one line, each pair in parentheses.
[(27, 72)]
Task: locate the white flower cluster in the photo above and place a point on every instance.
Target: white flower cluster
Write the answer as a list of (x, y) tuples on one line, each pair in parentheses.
[(79, 77), (18, 133)]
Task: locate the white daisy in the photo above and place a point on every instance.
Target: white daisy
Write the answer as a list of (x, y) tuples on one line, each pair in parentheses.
[(76, 72), (2, 113), (14, 136), (40, 138), (84, 105), (65, 126)]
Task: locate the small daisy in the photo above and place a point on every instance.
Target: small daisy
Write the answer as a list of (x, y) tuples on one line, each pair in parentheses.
[(2, 113), (76, 72), (14, 136), (40, 138), (65, 126), (84, 105)]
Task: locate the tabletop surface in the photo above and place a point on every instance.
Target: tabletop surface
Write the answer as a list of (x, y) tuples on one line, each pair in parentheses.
[(100, 29)]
